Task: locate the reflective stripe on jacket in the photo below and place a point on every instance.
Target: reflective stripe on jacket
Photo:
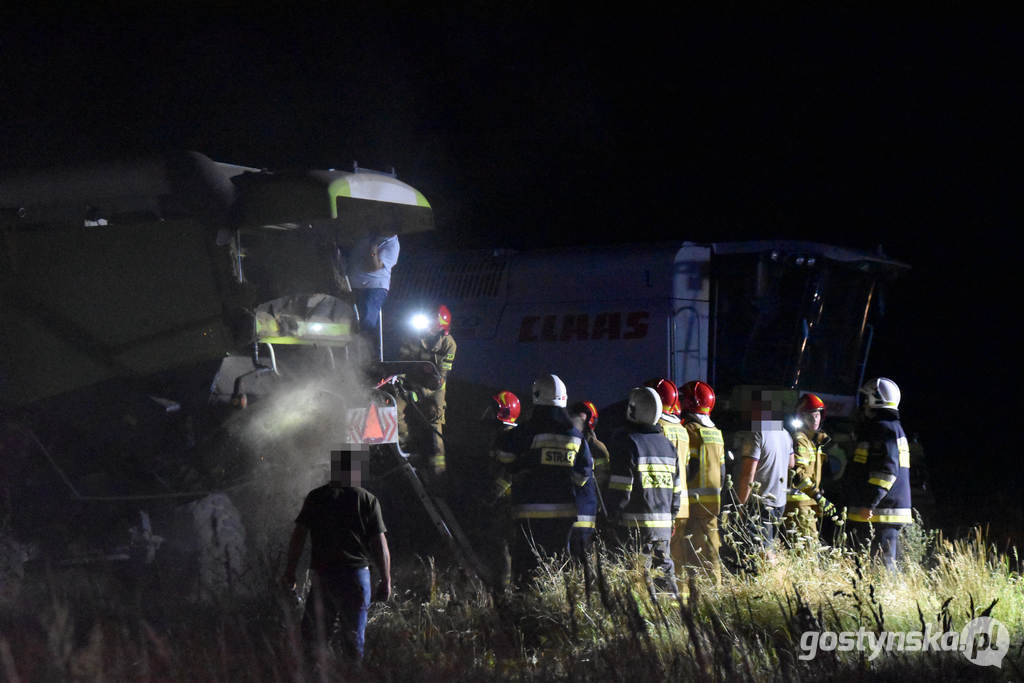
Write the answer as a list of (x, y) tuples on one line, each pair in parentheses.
[(645, 481), (704, 468), (879, 472), (552, 468), (809, 459), (680, 440)]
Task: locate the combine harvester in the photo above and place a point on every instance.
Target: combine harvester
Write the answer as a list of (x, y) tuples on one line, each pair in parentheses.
[(144, 304)]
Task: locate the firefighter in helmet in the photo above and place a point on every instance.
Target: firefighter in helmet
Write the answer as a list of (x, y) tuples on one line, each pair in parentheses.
[(670, 424), (644, 489), (879, 474), (424, 401), (554, 500), (805, 503), (503, 411), (700, 545), (500, 416), (584, 417)]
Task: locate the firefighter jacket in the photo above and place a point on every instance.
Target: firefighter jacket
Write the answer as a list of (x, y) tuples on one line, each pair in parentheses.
[(551, 468), (879, 474), (645, 488), (704, 468), (806, 478), (440, 351), (602, 461), (677, 435), (500, 460)]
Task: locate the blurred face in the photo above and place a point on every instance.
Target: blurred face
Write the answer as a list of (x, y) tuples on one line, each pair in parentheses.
[(812, 420), (348, 467)]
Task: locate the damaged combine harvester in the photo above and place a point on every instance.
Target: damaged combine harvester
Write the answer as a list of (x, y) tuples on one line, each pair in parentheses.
[(146, 304)]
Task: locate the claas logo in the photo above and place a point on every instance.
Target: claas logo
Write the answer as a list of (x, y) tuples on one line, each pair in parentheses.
[(583, 327)]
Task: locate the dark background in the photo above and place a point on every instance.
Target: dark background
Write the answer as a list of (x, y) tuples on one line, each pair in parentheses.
[(526, 127)]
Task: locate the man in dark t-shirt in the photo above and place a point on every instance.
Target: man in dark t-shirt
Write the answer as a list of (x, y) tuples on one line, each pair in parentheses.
[(347, 529)]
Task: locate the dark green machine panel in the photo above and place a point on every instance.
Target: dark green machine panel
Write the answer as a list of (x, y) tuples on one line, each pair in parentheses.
[(82, 305)]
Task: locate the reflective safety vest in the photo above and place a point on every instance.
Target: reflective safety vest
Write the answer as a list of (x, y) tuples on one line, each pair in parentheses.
[(704, 468), (552, 469), (441, 353), (644, 487), (879, 473), (680, 440), (809, 459)]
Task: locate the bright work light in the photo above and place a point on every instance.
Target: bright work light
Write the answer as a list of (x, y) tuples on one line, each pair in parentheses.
[(420, 322)]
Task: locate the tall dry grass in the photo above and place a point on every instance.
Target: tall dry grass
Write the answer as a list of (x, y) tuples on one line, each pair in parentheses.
[(443, 625)]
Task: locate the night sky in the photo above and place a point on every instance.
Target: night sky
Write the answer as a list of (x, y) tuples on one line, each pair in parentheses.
[(524, 127)]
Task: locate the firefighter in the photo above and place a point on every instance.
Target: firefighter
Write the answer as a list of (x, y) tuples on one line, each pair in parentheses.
[(805, 503), (670, 424), (423, 402), (505, 409), (700, 545), (879, 474), (554, 499), (501, 416), (644, 488), (584, 417)]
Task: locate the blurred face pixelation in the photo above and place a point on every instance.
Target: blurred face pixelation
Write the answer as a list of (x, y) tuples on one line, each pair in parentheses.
[(764, 409), (348, 467)]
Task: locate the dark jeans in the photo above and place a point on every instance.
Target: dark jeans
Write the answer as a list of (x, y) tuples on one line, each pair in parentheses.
[(368, 303), (765, 524), (337, 605)]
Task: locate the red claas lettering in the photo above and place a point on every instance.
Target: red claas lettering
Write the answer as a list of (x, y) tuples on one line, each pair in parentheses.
[(636, 325), (578, 327), (526, 328)]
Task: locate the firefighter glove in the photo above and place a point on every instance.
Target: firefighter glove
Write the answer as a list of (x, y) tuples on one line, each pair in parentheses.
[(827, 508)]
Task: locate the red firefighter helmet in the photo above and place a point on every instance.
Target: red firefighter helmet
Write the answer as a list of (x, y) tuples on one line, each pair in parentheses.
[(506, 407), (810, 403), (587, 408), (444, 319), (669, 395), (698, 397)]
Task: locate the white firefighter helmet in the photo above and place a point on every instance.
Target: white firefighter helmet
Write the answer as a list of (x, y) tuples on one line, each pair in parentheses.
[(549, 390), (881, 392), (644, 406)]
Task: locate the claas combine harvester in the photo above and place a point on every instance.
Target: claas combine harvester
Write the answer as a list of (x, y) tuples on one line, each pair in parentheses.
[(178, 340)]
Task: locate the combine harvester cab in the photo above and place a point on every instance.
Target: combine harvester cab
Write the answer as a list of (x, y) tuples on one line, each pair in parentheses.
[(144, 303)]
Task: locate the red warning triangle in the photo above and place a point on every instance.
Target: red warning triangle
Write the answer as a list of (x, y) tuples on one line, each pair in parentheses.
[(372, 430)]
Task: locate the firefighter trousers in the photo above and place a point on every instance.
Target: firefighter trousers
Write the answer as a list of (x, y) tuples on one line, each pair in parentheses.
[(800, 524), (535, 539), (420, 425), (883, 538), (656, 553), (696, 544)]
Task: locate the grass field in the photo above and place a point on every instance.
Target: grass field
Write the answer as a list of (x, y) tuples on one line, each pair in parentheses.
[(443, 625)]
